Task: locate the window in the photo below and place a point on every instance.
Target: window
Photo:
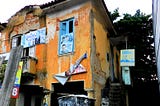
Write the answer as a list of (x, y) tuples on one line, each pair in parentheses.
[(16, 41), (66, 37), (70, 26), (26, 52), (29, 52)]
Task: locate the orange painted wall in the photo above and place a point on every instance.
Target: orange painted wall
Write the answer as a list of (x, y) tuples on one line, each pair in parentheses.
[(96, 63), (101, 42), (49, 61), (19, 26), (102, 48), (58, 64), (4, 42)]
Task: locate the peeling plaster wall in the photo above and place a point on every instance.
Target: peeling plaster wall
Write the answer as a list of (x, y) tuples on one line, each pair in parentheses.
[(58, 64), (99, 63), (31, 23), (25, 21), (3, 42), (100, 48), (91, 37), (22, 22)]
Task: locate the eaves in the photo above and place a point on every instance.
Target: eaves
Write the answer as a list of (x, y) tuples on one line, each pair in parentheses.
[(60, 6)]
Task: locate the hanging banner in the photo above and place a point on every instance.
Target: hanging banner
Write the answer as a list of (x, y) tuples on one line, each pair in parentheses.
[(41, 35), (28, 40), (66, 44), (127, 57), (15, 91), (34, 37)]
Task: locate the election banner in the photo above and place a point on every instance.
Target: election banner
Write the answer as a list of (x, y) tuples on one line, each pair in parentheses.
[(34, 37), (15, 91)]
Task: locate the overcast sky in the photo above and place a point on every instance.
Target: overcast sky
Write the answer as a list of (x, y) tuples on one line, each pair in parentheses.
[(10, 7), (130, 6)]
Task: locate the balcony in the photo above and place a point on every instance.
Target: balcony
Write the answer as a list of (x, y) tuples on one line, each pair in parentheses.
[(29, 69)]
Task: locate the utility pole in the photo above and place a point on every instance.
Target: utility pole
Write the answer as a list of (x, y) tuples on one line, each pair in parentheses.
[(10, 74), (127, 59)]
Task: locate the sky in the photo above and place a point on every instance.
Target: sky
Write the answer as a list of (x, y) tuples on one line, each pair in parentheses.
[(130, 6), (9, 7)]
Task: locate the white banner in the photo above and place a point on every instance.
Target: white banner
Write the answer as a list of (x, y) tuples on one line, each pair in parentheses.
[(34, 37)]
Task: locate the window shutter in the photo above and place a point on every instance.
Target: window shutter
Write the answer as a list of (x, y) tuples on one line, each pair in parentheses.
[(66, 37)]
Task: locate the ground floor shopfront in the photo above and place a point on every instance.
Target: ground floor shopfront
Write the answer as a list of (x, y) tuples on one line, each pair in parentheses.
[(33, 95)]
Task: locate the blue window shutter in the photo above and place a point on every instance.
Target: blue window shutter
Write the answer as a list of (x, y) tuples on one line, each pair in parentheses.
[(67, 27), (66, 37), (63, 28)]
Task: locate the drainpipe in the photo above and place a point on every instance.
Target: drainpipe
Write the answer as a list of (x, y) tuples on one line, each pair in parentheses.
[(112, 65)]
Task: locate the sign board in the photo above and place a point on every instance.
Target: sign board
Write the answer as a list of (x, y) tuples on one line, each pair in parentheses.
[(126, 75), (80, 69), (127, 57), (15, 91)]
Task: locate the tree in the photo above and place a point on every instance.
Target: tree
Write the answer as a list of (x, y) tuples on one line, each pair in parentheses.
[(138, 29)]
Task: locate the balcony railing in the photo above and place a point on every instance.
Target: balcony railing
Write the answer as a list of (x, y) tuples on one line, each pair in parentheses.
[(29, 64), (29, 68)]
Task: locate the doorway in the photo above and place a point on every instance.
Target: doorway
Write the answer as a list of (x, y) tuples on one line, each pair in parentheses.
[(63, 90)]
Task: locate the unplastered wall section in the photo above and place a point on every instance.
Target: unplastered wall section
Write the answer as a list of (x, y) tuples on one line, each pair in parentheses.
[(4, 42), (23, 22)]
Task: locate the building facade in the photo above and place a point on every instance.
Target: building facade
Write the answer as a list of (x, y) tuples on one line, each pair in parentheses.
[(66, 50)]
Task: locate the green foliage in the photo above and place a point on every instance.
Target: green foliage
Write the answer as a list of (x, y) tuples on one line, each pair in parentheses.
[(2, 71), (138, 29), (115, 15)]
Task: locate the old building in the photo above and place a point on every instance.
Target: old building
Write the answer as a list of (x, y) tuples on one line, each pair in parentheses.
[(66, 50)]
